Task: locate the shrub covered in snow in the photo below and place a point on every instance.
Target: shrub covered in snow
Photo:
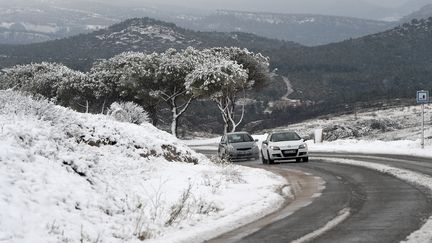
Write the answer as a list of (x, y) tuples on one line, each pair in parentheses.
[(360, 128), (128, 112), (398, 123), (51, 80), (73, 177)]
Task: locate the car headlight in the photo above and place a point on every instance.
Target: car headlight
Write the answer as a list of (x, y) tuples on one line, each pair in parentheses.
[(230, 148), (303, 146), (274, 147), (255, 147)]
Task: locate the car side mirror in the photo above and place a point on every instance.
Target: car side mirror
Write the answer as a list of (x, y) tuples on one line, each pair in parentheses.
[(223, 143), (265, 142), (256, 140)]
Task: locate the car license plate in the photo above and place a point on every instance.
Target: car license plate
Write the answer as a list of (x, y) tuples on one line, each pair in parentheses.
[(290, 151)]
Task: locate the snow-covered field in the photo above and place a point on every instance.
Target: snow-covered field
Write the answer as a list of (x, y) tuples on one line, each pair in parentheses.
[(389, 131), (399, 147), (391, 124), (71, 177)]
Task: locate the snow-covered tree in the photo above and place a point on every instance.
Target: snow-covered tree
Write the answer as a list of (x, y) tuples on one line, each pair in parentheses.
[(221, 80), (226, 74), (148, 79), (256, 64), (4, 81), (171, 76), (52, 80), (129, 76)]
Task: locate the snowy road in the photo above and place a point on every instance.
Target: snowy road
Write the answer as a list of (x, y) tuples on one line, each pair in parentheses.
[(357, 205)]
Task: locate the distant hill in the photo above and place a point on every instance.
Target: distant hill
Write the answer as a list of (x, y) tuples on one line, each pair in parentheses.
[(391, 64), (424, 13), (43, 22), (54, 20), (307, 29), (50, 20), (139, 34), (22, 22), (14, 36)]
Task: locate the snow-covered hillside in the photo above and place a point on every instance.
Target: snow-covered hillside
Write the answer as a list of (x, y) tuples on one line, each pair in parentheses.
[(140, 32), (387, 124), (46, 21), (423, 13), (422, 26), (387, 131), (72, 177)]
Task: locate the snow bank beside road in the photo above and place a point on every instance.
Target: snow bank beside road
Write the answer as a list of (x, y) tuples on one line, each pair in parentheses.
[(400, 147), (71, 177)]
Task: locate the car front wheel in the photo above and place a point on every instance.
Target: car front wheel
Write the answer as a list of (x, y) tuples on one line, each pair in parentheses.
[(220, 153), (306, 159), (270, 161), (263, 160)]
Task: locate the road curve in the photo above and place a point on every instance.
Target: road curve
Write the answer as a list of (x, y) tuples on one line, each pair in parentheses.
[(357, 205), (303, 189)]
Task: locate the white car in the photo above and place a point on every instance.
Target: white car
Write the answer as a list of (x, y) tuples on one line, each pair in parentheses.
[(284, 145)]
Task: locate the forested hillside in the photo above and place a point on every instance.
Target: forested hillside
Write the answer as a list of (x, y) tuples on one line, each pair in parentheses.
[(307, 29), (391, 64), (140, 34)]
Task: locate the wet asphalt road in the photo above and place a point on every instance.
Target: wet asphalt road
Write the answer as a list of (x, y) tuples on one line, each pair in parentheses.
[(382, 207)]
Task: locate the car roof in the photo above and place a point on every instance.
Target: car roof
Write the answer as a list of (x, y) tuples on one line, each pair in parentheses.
[(233, 133), (282, 131)]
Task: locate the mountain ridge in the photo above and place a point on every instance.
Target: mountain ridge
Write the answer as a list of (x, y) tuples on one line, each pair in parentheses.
[(307, 29), (137, 34), (423, 13), (391, 64), (64, 20)]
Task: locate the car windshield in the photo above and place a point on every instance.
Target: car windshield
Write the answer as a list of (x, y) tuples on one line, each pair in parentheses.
[(240, 138), (285, 136)]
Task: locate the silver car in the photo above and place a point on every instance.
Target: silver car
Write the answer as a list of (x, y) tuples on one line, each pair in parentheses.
[(238, 145)]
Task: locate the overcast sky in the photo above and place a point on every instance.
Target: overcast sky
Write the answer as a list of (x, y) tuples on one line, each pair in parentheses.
[(299, 3), (372, 9), (355, 8)]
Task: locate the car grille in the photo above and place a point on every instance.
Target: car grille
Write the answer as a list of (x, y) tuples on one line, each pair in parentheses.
[(244, 149), (244, 155), (290, 152)]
